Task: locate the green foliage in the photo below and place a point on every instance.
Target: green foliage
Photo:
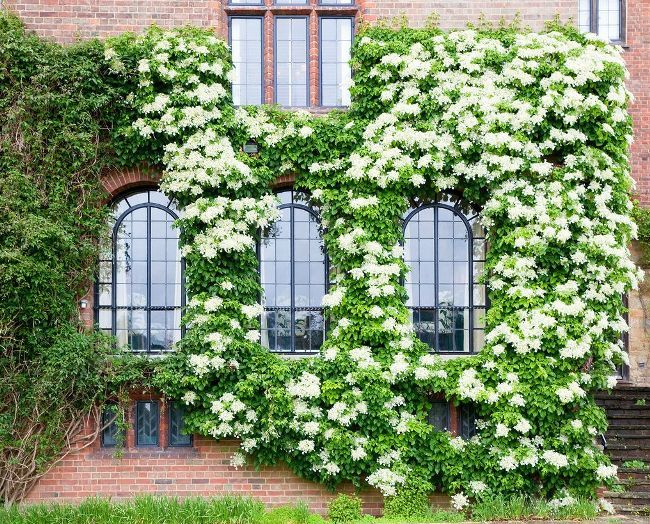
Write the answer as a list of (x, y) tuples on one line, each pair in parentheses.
[(344, 508), (636, 464), (147, 509), (57, 105), (518, 507), (412, 499), (641, 216), (298, 514)]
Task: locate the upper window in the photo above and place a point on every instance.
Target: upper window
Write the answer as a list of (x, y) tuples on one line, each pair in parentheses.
[(444, 248), (292, 52), (139, 294), (603, 17), (293, 272)]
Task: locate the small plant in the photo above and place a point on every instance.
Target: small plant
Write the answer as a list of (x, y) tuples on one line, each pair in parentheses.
[(412, 500), (635, 464), (298, 514), (640, 402), (345, 508)]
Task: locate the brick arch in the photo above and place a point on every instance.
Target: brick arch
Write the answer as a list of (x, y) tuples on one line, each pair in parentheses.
[(120, 181)]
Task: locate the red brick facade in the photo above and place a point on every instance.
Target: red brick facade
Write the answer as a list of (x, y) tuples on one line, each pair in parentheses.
[(204, 468)]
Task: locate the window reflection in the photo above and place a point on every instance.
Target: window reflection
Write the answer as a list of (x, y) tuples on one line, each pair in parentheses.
[(444, 248), (293, 271), (140, 287)]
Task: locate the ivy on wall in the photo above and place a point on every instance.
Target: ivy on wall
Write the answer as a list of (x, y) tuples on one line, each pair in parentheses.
[(531, 127)]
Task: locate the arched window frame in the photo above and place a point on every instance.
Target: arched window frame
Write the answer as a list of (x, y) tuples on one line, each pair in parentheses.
[(292, 308), (436, 204), (113, 307)]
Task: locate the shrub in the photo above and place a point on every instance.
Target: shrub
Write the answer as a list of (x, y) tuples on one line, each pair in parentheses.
[(345, 508), (412, 500)]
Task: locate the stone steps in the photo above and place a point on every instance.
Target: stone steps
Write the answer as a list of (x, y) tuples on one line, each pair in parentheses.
[(628, 438)]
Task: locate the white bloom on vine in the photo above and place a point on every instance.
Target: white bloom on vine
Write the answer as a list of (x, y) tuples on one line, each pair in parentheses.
[(200, 363), (458, 443), (334, 298), (253, 335), (477, 486), (189, 397), (555, 459), (227, 285), (459, 501), (308, 386), (606, 472), (386, 481), (212, 304), (306, 446), (523, 426), (376, 312), (501, 430), (508, 463), (252, 311), (330, 354), (238, 460)]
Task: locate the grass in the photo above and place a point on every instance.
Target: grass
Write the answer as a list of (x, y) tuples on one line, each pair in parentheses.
[(524, 508), (244, 510)]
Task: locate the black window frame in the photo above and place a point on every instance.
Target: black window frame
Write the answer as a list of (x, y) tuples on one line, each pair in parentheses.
[(171, 407), (326, 269), (320, 53), (136, 424), (435, 204), (622, 22), (307, 58), (113, 307), (262, 37)]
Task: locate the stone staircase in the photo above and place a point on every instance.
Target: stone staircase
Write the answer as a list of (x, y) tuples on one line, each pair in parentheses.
[(628, 442)]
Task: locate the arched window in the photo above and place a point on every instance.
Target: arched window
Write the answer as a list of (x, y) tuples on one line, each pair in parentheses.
[(139, 294), (293, 269), (444, 247)]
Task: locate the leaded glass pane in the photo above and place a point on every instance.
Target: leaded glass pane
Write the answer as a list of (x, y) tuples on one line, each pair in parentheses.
[(110, 433), (466, 421), (177, 437), (147, 423), (439, 415)]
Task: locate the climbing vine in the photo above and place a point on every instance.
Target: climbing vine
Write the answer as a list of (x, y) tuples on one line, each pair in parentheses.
[(530, 127)]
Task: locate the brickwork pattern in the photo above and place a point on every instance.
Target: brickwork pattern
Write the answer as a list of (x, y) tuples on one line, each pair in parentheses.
[(201, 470)]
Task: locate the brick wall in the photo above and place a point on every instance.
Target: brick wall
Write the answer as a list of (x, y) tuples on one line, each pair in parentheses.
[(201, 470)]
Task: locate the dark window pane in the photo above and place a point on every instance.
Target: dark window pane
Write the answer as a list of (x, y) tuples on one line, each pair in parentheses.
[(439, 415), (147, 423), (336, 75), (176, 426), (466, 421), (111, 435)]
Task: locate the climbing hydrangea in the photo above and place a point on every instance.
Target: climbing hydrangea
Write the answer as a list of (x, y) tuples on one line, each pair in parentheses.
[(532, 128)]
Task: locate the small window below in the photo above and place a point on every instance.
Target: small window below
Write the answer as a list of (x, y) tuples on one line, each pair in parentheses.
[(147, 423), (439, 415), (466, 420), (111, 435), (177, 436), (336, 75)]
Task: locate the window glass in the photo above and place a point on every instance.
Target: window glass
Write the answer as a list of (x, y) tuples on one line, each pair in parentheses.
[(466, 421), (110, 434), (336, 2), (609, 19), (439, 415), (177, 437), (291, 61), (246, 44), (139, 293), (293, 271), (445, 251), (291, 2), (147, 422), (336, 75)]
